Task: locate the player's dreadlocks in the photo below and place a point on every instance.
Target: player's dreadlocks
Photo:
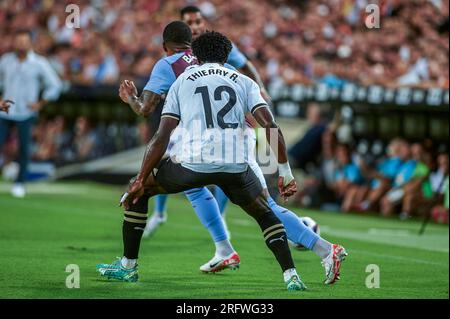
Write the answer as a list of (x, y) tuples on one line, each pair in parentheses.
[(177, 32), (212, 47)]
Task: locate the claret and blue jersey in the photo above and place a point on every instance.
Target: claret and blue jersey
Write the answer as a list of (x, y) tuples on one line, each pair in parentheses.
[(167, 69)]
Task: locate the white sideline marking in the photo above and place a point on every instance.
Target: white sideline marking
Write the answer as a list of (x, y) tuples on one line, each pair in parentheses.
[(391, 232), (41, 188), (397, 238), (360, 252), (394, 237), (400, 258)]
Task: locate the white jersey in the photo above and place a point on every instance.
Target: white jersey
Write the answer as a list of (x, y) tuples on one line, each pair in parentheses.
[(211, 101)]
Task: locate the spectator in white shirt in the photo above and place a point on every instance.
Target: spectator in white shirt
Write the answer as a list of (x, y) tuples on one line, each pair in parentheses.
[(23, 74)]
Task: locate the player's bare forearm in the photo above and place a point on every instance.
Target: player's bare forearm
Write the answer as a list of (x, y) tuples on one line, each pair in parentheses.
[(145, 104), (286, 182), (265, 118), (156, 147)]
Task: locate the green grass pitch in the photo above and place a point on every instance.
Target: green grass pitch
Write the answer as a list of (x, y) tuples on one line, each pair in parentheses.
[(80, 223)]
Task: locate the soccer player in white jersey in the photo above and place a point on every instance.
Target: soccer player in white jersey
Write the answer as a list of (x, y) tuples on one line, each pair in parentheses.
[(330, 254), (193, 17), (177, 38), (162, 77), (207, 103)]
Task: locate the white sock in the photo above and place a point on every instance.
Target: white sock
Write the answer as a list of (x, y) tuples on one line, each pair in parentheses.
[(224, 248), (128, 263), (289, 273), (322, 248)]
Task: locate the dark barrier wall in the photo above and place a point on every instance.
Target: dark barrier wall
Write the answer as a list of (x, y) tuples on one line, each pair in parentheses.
[(377, 111)]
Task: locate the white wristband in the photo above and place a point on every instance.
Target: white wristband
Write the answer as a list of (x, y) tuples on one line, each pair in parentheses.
[(284, 170)]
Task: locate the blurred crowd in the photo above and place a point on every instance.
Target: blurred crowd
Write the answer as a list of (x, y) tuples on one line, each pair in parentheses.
[(401, 178), (291, 41), (58, 141)]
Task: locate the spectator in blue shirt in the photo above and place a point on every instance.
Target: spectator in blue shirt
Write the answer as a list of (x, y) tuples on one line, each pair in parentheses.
[(403, 176), (365, 197), (347, 173)]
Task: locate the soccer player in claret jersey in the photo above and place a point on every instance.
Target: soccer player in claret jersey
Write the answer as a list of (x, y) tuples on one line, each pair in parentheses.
[(177, 39), (210, 99)]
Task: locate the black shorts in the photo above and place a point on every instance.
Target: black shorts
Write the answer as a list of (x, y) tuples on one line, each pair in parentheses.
[(241, 188)]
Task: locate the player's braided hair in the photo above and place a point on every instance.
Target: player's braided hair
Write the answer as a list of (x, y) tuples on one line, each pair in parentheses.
[(177, 32), (212, 47)]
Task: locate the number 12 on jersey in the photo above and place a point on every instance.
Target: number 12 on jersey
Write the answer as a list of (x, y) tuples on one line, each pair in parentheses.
[(203, 90)]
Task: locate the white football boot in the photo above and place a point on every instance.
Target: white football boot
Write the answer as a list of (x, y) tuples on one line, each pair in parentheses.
[(332, 264), (217, 263)]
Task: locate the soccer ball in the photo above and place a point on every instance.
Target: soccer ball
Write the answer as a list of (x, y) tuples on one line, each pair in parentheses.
[(310, 223)]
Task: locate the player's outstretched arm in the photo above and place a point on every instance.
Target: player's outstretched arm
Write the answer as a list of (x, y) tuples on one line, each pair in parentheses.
[(286, 183), (153, 154), (143, 105)]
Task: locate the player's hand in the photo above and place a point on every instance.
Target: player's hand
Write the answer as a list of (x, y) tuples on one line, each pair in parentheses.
[(127, 89), (286, 182), (5, 105), (134, 192), (286, 187)]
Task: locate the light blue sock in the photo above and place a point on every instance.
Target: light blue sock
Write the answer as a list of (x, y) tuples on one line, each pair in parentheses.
[(221, 199), (160, 203), (296, 231), (208, 212)]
